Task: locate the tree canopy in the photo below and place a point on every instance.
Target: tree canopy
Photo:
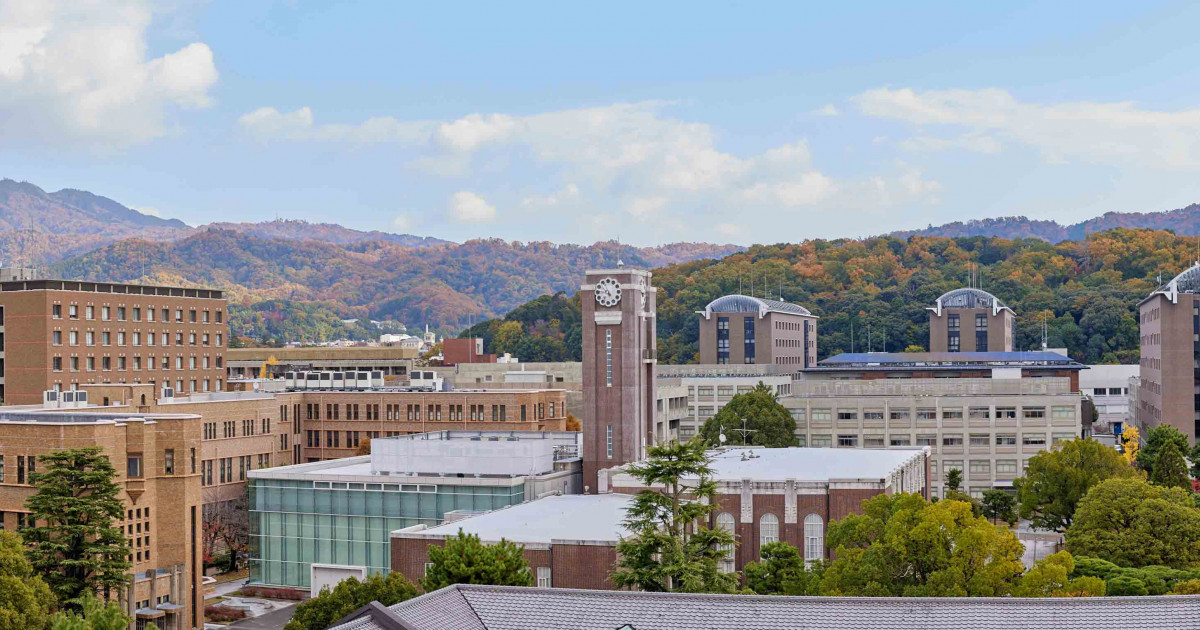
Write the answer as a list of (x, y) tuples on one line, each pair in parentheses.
[(1050, 577), (349, 595), (1169, 469), (25, 600), (76, 544), (466, 560), (902, 545), (1155, 440), (94, 614), (781, 571), (768, 423), (1056, 480), (672, 548), (1134, 523)]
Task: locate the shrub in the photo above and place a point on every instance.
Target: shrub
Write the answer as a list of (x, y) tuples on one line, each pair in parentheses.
[(1125, 585), (217, 612), (1187, 587), (273, 593)]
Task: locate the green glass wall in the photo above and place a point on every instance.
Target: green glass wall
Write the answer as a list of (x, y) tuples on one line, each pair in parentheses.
[(296, 523)]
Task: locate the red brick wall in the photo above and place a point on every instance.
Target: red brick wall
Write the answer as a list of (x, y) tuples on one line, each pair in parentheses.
[(571, 566)]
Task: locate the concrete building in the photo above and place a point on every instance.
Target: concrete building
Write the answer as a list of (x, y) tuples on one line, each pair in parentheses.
[(395, 362), (1170, 355), (570, 541), (983, 413), (1108, 386), (475, 607), (157, 461), (790, 494), (970, 320), (566, 375), (314, 524), (741, 329), (619, 352), (60, 334), (709, 387)]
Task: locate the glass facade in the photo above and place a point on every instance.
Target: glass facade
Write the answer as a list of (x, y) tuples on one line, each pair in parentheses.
[(296, 523)]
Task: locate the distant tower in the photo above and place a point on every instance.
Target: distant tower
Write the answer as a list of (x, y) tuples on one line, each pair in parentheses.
[(970, 320), (619, 358)]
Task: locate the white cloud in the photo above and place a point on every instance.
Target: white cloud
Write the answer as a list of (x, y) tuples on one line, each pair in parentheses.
[(731, 230), (268, 123), (468, 207), (79, 73), (403, 222), (154, 212), (568, 194), (1083, 131), (644, 207), (808, 190), (828, 109)]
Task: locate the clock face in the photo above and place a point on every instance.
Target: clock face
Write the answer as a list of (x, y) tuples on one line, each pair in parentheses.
[(645, 293), (608, 292)]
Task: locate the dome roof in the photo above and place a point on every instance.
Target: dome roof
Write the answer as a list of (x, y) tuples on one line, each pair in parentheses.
[(1186, 282), (748, 304), (967, 297)]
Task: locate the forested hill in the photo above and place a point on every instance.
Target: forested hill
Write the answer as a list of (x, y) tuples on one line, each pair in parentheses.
[(1184, 221), (301, 290), (1086, 290)]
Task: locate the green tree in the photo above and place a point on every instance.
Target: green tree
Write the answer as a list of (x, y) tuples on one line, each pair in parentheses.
[(94, 614), (1169, 469), (76, 543), (902, 545), (466, 560), (671, 548), (1187, 587), (954, 480), (1132, 523), (1194, 457), (1155, 440), (999, 505), (1123, 585), (1056, 480), (25, 600), (781, 571), (1050, 577), (769, 423), (349, 595)]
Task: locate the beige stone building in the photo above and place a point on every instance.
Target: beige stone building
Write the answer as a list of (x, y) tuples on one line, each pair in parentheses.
[(985, 419), (742, 329), (157, 458), (707, 388), (394, 362), (970, 320), (60, 334)]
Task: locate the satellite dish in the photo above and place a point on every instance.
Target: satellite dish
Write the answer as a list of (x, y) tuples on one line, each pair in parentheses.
[(722, 438)]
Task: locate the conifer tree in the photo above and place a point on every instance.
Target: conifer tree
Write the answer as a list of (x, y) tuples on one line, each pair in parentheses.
[(466, 560)]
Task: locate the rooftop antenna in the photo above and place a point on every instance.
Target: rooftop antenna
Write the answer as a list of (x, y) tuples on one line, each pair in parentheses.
[(740, 284), (851, 336), (1045, 333)]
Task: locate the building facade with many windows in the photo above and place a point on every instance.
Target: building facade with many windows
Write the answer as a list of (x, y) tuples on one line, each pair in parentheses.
[(1169, 369), (60, 334), (708, 388), (983, 413), (741, 329), (970, 320)]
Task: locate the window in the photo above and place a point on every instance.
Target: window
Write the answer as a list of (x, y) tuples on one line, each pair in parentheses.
[(952, 413), (900, 440), (56, 311), (822, 441), (725, 523), (844, 414), (899, 414), (1062, 412), (873, 441), (748, 339), (981, 467), (814, 539), (980, 413), (847, 441), (768, 530), (1033, 439), (981, 332), (543, 573), (821, 414), (926, 413), (980, 439), (57, 338), (873, 414), (952, 332), (168, 456), (608, 358), (1034, 412), (1006, 467), (1006, 413), (608, 440), (952, 439), (926, 440), (133, 467)]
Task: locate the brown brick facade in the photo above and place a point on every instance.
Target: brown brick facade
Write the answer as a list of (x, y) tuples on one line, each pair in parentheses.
[(572, 565)]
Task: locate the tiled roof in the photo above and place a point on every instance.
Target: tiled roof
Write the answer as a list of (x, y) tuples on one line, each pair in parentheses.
[(471, 607)]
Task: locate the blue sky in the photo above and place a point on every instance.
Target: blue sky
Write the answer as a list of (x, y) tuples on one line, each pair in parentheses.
[(652, 122)]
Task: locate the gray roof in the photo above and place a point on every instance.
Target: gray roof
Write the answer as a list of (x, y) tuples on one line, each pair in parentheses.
[(472, 607), (750, 304), (1037, 359), (1188, 281), (968, 297)]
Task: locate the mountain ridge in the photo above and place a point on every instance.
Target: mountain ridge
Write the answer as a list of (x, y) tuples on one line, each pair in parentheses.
[(1183, 221)]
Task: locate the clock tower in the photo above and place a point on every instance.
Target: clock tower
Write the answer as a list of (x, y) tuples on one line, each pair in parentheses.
[(619, 357)]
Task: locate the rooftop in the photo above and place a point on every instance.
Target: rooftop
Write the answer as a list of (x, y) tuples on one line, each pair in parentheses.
[(807, 464), (738, 303), (1188, 281), (38, 414), (968, 297), (575, 517), (475, 607), (947, 360), (109, 287)]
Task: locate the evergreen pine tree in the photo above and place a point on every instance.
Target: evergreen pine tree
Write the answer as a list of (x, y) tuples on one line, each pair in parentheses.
[(75, 543), (1169, 469)]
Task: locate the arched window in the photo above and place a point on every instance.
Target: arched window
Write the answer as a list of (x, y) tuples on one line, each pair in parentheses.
[(814, 539), (143, 399), (768, 530), (725, 522)]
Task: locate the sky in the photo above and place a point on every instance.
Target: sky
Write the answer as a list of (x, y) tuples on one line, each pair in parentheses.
[(730, 122)]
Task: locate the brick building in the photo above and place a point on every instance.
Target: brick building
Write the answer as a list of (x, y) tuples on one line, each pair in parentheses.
[(464, 350), (791, 494), (741, 329), (1169, 369), (60, 334), (570, 541), (157, 462), (970, 320)]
